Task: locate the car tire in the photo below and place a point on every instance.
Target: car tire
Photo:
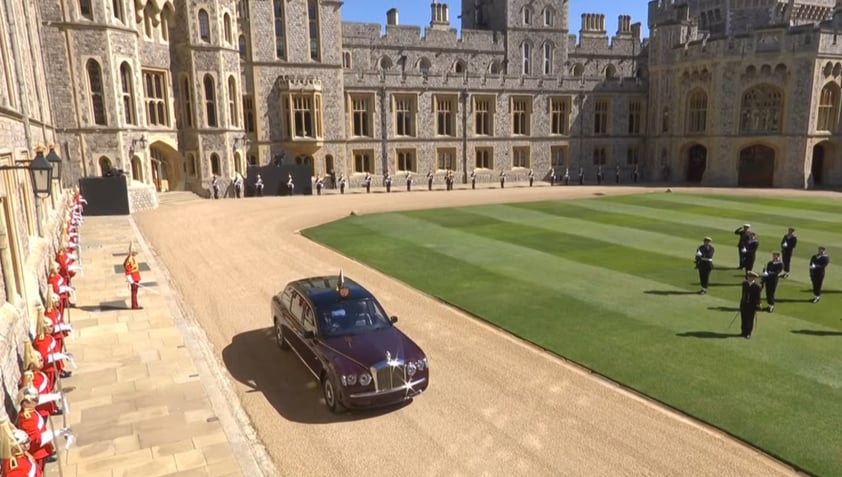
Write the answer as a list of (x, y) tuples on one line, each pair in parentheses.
[(279, 336), (331, 395)]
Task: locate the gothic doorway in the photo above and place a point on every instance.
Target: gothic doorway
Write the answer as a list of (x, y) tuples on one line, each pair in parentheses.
[(818, 164), (697, 158), (167, 167), (105, 166), (306, 161), (757, 167)]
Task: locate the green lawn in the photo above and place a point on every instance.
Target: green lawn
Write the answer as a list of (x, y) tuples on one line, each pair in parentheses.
[(609, 283)]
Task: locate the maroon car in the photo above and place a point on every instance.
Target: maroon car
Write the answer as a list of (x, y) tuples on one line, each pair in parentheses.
[(348, 342)]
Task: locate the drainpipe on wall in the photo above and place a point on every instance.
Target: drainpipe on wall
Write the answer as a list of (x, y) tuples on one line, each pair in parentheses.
[(384, 131), (464, 136)]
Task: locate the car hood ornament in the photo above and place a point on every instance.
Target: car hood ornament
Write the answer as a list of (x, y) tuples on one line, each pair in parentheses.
[(388, 356)]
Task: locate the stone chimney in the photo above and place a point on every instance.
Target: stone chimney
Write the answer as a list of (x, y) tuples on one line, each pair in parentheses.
[(636, 30), (392, 16), (624, 24), (593, 23), (440, 16)]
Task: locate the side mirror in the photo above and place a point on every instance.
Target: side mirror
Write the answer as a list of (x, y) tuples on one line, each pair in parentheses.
[(393, 319), (309, 335)]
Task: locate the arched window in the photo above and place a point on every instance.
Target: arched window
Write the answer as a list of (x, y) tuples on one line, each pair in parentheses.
[(548, 17), (210, 101), (424, 67), (166, 16), (243, 47), (204, 26), (697, 111), (148, 14), (346, 60), (548, 59), (527, 16), (232, 101), (215, 164), (187, 95), (137, 169), (665, 119), (105, 166), (191, 165), (313, 20), (226, 24), (610, 72), (280, 29), (459, 66), (494, 68), (128, 93), (95, 87), (117, 10), (526, 50), (761, 109), (385, 63), (85, 9), (828, 108), (578, 70)]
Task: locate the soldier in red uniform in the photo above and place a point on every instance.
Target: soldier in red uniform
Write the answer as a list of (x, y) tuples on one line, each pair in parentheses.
[(60, 329), (59, 287), (46, 404), (30, 421), (14, 452), (51, 355), (132, 270), (35, 376)]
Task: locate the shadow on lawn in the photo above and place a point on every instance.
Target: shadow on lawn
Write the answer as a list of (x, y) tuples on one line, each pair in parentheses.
[(725, 284), (670, 292), (707, 335), (817, 332), (724, 308)]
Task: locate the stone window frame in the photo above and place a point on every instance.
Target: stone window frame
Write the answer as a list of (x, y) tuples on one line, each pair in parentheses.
[(558, 155), (665, 119), (425, 66), (314, 30), (233, 99), (96, 92), (561, 107), (156, 97), (215, 164), (445, 158), (761, 109), (346, 60), (444, 112), (118, 11), (521, 157), (526, 15), (227, 29), (363, 161), (406, 160), (249, 113), (485, 108), (127, 93), (279, 11), (526, 58), (521, 108), (635, 116), (633, 156), (697, 106), (166, 15), (547, 50), (548, 15), (484, 158), (361, 114), (211, 112), (600, 156), (187, 99), (242, 46), (601, 116), (204, 25), (303, 109), (147, 22), (405, 107), (827, 118), (86, 10)]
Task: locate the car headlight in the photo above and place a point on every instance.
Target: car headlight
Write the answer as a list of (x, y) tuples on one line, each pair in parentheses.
[(410, 369), (365, 379), (349, 379)]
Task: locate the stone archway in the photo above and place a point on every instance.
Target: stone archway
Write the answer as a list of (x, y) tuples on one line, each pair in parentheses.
[(167, 167), (822, 163), (697, 157), (137, 169), (105, 166), (756, 167), (306, 160)]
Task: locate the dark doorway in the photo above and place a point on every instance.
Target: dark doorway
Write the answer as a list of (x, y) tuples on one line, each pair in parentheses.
[(757, 167), (817, 169), (697, 158)]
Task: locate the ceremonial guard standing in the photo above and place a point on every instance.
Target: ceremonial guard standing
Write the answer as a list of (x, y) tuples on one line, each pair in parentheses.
[(566, 176), (749, 304), (771, 272), (387, 181), (238, 186), (531, 177), (367, 182), (132, 271), (290, 184), (215, 186), (751, 251), (342, 183), (447, 180), (35, 376), (581, 176), (599, 174), (51, 356), (788, 244), (474, 179), (502, 179), (14, 452), (35, 426), (818, 263), (429, 180), (408, 181), (635, 174), (704, 263), (743, 232), (617, 174), (258, 186), (319, 184), (552, 176)]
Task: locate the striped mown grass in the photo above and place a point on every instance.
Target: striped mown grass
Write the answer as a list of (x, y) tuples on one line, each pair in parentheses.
[(609, 283)]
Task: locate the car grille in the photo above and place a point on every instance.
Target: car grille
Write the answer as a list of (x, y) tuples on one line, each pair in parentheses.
[(388, 376)]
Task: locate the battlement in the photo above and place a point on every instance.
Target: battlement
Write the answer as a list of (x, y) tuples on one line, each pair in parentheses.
[(594, 39)]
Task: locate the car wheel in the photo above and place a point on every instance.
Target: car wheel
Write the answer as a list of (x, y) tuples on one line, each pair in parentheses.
[(279, 336), (330, 394)]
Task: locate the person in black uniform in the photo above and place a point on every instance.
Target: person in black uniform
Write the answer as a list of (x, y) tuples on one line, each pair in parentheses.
[(319, 184), (566, 176), (704, 263), (342, 183), (408, 181), (818, 263), (448, 180), (741, 244), (749, 304), (367, 183), (771, 272), (635, 174), (788, 244), (581, 176), (258, 186), (502, 179), (599, 175), (387, 181), (429, 180), (290, 184), (474, 179), (750, 251), (552, 176), (617, 174)]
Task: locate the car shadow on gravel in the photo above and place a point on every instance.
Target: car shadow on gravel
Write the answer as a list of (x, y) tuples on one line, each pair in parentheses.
[(254, 359)]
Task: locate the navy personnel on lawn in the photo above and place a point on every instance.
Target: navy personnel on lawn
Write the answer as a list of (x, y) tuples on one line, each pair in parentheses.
[(771, 273), (788, 244), (749, 303), (741, 244), (704, 263), (750, 251), (818, 263)]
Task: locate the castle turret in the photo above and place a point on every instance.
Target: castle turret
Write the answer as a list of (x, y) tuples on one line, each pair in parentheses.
[(440, 16)]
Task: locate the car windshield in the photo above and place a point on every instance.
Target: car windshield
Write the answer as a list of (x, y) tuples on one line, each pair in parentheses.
[(351, 317)]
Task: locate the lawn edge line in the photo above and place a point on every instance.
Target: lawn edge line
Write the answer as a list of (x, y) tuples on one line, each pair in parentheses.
[(583, 370)]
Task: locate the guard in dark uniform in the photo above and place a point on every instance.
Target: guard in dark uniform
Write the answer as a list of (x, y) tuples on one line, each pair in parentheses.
[(531, 177), (448, 180), (474, 179), (319, 184), (502, 179), (818, 263), (749, 304), (367, 183), (599, 175), (581, 175), (552, 176), (342, 183), (387, 181), (258, 186), (788, 244), (429, 180), (751, 251), (290, 184), (566, 176), (408, 181), (617, 174), (741, 243), (771, 273), (704, 263), (635, 174)]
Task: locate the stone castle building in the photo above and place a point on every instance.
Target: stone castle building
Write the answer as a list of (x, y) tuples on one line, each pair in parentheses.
[(744, 92)]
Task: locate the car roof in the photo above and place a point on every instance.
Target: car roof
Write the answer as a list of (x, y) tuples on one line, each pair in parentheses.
[(323, 290)]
